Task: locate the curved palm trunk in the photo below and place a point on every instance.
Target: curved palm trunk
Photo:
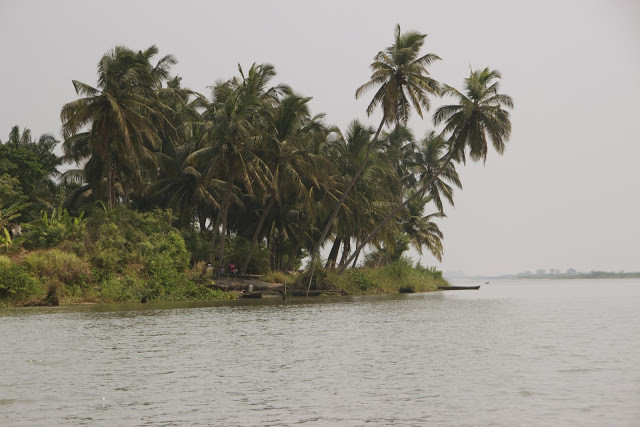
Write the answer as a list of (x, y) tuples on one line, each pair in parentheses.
[(333, 255), (346, 251), (256, 234), (395, 211), (353, 181)]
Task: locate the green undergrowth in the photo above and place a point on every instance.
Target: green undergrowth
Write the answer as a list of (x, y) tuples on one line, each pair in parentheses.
[(398, 276), (279, 277), (115, 256)]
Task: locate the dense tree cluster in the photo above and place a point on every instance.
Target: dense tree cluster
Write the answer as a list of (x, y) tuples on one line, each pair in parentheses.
[(250, 162)]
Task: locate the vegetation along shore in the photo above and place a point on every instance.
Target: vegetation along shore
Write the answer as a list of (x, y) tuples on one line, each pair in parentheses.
[(167, 191)]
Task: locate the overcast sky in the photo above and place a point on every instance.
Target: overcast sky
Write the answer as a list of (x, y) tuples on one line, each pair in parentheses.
[(564, 194)]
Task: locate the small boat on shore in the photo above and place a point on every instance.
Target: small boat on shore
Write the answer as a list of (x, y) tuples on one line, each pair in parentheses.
[(457, 288)]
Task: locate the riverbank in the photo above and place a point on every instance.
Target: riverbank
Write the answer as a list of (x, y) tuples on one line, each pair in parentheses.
[(397, 277), (123, 256)]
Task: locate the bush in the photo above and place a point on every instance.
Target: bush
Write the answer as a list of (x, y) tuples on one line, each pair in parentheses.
[(198, 244), (122, 289), (49, 231), (361, 280), (397, 277), (16, 283), (316, 275), (64, 273), (56, 265)]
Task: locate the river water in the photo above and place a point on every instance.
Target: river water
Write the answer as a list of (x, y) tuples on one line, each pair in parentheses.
[(561, 352)]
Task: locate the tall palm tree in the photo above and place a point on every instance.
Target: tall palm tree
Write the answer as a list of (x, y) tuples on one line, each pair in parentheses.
[(115, 122), (235, 115), (403, 81), (479, 117), (379, 185), (289, 130)]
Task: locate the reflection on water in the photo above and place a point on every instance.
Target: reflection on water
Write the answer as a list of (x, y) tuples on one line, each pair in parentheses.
[(525, 353)]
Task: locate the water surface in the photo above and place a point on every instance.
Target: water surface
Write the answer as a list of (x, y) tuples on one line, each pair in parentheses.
[(548, 352)]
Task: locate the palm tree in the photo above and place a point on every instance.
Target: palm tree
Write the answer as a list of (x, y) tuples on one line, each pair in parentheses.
[(479, 113), (285, 150), (121, 114), (431, 157), (480, 116), (403, 81), (376, 190), (421, 229), (235, 114)]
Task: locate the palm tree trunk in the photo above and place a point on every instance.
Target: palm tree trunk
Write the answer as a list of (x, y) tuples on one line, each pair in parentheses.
[(219, 218), (325, 232), (202, 219), (256, 234), (396, 210), (333, 255), (111, 184), (346, 251)]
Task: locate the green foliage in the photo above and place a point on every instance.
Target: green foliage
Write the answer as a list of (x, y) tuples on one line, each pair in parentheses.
[(198, 244), (361, 280), (11, 191), (236, 251), (387, 255), (56, 266), (315, 276), (429, 271), (5, 239), (398, 276), (279, 277), (49, 231), (15, 281), (26, 168)]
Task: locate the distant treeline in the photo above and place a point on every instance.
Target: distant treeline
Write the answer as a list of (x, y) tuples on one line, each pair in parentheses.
[(589, 275)]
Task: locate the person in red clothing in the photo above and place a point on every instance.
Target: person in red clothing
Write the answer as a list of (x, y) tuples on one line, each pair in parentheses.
[(233, 271)]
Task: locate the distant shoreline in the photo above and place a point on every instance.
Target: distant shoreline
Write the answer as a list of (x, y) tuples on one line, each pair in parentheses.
[(590, 275)]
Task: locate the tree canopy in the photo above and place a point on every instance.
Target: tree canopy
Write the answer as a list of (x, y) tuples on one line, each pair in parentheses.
[(251, 166)]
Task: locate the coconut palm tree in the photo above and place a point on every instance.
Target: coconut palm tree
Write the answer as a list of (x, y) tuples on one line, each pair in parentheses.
[(115, 122), (235, 114), (377, 189), (431, 157), (401, 76), (421, 229), (288, 134), (479, 117)]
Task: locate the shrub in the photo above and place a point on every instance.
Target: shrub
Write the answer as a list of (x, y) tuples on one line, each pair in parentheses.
[(198, 244), (55, 265), (361, 280), (15, 281), (314, 277), (49, 231), (121, 289)]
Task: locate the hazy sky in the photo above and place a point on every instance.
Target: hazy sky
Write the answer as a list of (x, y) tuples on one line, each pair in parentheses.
[(565, 193)]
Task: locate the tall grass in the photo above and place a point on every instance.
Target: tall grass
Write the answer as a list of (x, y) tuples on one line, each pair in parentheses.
[(64, 274), (393, 278)]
